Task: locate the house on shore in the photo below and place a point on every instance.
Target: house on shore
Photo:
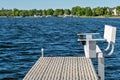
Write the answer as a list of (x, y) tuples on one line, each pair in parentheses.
[(113, 10)]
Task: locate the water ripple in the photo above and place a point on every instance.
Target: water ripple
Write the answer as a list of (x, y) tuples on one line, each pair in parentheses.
[(21, 40)]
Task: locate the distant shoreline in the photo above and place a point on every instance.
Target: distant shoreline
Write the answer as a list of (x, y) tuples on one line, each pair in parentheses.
[(99, 16), (60, 16)]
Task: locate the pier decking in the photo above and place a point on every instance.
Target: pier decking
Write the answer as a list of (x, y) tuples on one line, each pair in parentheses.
[(62, 68)]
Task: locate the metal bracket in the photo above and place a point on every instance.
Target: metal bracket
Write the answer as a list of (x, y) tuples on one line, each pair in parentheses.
[(111, 52)]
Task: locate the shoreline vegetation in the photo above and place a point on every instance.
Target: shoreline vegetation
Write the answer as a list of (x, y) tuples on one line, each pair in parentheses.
[(61, 16), (77, 11)]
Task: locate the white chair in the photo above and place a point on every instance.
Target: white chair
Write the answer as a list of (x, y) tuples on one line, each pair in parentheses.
[(92, 50), (90, 47)]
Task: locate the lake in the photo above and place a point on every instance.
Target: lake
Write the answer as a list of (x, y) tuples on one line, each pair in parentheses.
[(21, 40)]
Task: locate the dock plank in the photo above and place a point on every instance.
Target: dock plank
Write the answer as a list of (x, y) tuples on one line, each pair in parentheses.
[(62, 68)]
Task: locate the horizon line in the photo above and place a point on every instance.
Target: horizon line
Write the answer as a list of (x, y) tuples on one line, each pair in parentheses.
[(57, 8)]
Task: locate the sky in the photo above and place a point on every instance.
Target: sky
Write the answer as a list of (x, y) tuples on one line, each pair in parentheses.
[(55, 4)]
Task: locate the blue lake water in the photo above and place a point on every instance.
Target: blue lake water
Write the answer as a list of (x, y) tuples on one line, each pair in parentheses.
[(21, 40)]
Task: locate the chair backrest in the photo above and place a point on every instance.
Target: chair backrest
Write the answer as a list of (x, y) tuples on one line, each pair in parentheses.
[(110, 33)]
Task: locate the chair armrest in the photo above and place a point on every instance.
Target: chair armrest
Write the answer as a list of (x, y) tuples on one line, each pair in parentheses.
[(82, 40), (97, 39), (91, 39), (88, 34)]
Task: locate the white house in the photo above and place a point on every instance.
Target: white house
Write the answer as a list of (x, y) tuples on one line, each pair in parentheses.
[(113, 10)]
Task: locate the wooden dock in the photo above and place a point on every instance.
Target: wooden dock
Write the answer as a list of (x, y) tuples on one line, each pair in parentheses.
[(62, 68)]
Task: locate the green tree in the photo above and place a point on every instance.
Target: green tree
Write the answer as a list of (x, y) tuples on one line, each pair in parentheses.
[(56, 12), (0, 13), (39, 12), (15, 12), (8, 12), (31, 13), (61, 12), (21, 13), (105, 10), (118, 10), (74, 11), (26, 13), (79, 11), (44, 12), (88, 11), (67, 12), (50, 12), (3, 12), (98, 11)]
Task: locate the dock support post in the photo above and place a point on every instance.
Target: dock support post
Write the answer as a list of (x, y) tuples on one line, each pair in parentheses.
[(42, 52), (101, 68)]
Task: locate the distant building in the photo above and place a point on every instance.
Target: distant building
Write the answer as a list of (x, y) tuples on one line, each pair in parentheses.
[(35, 15), (114, 12)]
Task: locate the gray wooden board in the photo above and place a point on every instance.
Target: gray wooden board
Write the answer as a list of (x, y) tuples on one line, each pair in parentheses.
[(62, 68)]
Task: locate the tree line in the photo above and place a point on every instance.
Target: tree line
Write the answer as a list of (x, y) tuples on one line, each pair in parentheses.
[(76, 11)]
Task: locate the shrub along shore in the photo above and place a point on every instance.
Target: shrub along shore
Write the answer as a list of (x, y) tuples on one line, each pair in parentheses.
[(85, 12), (60, 16)]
